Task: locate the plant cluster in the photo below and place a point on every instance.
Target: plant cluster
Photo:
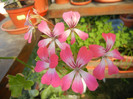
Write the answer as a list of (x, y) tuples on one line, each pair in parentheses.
[(64, 52)]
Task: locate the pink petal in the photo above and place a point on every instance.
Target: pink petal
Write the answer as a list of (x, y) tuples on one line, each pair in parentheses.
[(77, 85), (99, 70), (71, 18), (81, 34), (66, 56), (30, 37), (61, 45), (44, 42), (67, 80), (41, 65), (43, 27), (53, 61), (72, 38), (51, 48), (26, 36), (97, 50), (63, 36), (51, 77), (110, 40), (90, 80), (112, 69), (43, 53), (114, 54), (58, 29), (84, 56)]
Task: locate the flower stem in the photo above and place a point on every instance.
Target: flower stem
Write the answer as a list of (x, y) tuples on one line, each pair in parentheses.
[(15, 58)]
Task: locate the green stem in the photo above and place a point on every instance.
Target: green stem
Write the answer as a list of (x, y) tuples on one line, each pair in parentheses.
[(15, 58)]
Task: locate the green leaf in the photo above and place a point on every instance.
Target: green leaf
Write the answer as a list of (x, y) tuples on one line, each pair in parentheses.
[(17, 84), (33, 93), (37, 58)]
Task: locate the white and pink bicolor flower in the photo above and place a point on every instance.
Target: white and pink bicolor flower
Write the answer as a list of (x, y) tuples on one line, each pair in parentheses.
[(72, 19), (99, 51), (31, 28), (48, 62), (77, 75), (53, 36)]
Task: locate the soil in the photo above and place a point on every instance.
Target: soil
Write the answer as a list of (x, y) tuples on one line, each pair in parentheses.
[(15, 6), (80, 0)]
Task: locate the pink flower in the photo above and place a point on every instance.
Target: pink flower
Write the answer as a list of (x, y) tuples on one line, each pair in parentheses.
[(72, 19), (75, 77), (53, 36), (48, 62), (28, 35), (99, 51)]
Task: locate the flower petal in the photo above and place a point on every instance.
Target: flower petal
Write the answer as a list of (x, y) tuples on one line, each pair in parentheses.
[(114, 54), (51, 77), (81, 34), (51, 48), (84, 56), (110, 40), (58, 29), (77, 85), (53, 61), (63, 36), (112, 69), (72, 38), (99, 70), (67, 80), (43, 27), (44, 42), (41, 65), (97, 50), (43, 53), (66, 56), (90, 80), (71, 18)]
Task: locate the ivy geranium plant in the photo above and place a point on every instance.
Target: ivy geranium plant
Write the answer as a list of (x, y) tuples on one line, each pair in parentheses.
[(54, 49)]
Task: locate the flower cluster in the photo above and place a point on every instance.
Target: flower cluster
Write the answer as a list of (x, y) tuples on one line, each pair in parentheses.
[(49, 59)]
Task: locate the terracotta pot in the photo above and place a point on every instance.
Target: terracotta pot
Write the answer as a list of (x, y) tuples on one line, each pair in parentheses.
[(18, 15), (129, 70), (41, 6), (127, 19), (80, 3), (61, 1), (108, 1)]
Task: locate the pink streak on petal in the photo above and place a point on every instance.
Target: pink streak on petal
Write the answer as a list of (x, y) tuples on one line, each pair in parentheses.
[(110, 40), (41, 65), (97, 50), (30, 37), (56, 81), (58, 29), (81, 34), (90, 80), (43, 27), (26, 36), (67, 80), (44, 42), (72, 38), (84, 56), (53, 61), (63, 36), (51, 48), (66, 56), (112, 69), (77, 85), (99, 70), (51, 77), (71, 18), (114, 54), (43, 53)]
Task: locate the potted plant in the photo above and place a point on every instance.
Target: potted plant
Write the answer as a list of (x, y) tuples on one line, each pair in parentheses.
[(18, 11), (107, 1), (80, 2), (127, 19)]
